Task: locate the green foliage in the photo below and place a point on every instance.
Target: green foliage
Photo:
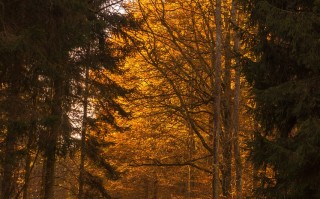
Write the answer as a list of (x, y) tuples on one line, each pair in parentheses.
[(285, 76)]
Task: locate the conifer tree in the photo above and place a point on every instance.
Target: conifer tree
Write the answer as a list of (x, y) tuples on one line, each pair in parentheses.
[(18, 65), (284, 74), (40, 72)]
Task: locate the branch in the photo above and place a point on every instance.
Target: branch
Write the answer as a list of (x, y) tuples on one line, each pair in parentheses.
[(158, 163)]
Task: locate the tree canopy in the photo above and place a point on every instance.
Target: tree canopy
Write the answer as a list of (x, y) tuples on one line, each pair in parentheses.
[(159, 99)]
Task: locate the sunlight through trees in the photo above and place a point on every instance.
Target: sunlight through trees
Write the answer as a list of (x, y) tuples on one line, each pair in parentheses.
[(148, 99)]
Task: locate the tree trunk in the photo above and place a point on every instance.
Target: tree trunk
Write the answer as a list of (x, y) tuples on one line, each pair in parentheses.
[(31, 134), (50, 168), (226, 137), (155, 187), (146, 187), (255, 168), (83, 136), (191, 141), (236, 124), (217, 103), (8, 182), (50, 151), (27, 168), (190, 170), (13, 109)]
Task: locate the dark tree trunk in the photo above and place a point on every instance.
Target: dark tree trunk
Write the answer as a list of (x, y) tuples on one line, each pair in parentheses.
[(8, 181), (237, 154), (83, 137), (217, 94), (27, 169), (226, 137), (155, 188), (51, 147), (146, 187), (13, 109)]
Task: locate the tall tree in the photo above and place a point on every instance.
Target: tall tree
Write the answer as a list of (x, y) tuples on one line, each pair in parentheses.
[(17, 76), (41, 71), (284, 74), (237, 96), (101, 63), (217, 96), (63, 20)]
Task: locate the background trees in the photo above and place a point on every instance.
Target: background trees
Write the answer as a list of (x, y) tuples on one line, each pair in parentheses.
[(177, 88), (145, 99)]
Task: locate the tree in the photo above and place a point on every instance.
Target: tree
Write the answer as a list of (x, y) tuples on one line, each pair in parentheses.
[(41, 71), (217, 96), (284, 74), (178, 45), (101, 65), (237, 95), (19, 61)]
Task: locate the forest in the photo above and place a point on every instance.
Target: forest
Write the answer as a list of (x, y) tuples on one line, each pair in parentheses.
[(159, 99)]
